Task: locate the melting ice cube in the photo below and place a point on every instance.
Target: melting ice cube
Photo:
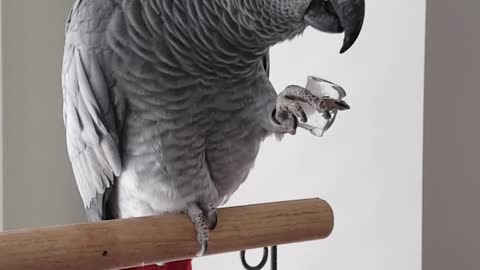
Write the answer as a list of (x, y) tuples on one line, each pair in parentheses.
[(318, 123)]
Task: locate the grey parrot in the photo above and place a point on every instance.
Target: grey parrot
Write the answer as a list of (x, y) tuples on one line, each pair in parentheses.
[(166, 102)]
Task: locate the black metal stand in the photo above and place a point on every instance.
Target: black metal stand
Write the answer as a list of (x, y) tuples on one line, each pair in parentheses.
[(264, 260)]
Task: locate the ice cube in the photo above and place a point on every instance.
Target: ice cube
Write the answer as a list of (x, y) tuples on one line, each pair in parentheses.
[(319, 122)]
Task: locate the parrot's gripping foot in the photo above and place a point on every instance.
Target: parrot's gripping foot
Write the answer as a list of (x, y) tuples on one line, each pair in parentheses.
[(288, 110), (204, 221)]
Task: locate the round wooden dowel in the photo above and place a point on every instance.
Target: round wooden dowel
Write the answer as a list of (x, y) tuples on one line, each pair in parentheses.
[(132, 242)]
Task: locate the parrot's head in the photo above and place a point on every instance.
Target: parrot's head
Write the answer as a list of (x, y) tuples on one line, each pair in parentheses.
[(279, 20)]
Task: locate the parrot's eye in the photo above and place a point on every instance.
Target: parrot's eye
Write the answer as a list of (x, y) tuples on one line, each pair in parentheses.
[(337, 16)]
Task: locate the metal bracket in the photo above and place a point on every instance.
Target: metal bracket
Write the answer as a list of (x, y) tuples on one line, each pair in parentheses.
[(264, 260)]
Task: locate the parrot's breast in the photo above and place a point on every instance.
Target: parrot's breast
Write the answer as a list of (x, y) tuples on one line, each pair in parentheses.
[(194, 144), (198, 108)]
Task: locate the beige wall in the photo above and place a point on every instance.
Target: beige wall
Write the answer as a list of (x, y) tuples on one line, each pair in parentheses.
[(1, 122), (452, 136), (39, 187)]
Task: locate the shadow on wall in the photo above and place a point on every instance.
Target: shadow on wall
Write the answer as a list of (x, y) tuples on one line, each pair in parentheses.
[(452, 130)]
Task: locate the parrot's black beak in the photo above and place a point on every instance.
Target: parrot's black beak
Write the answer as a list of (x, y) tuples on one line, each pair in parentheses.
[(337, 16)]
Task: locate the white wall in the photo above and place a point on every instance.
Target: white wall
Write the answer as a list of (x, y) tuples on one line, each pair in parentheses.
[(369, 166)]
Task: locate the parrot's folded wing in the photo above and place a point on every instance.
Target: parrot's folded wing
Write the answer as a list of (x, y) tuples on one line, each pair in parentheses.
[(89, 115)]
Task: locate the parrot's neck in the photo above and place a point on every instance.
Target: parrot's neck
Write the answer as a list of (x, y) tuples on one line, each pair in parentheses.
[(227, 38), (248, 28), (263, 23)]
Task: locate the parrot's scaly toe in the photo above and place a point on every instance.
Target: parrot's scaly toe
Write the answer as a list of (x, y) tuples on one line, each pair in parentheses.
[(197, 217), (289, 109)]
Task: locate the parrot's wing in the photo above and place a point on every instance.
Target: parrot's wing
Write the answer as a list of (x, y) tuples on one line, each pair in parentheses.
[(88, 110)]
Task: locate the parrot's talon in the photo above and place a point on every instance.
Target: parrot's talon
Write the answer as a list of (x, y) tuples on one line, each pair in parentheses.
[(212, 218), (203, 248), (197, 217), (285, 122), (328, 104), (327, 115)]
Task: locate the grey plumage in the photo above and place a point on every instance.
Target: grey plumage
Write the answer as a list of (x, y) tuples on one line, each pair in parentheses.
[(166, 102)]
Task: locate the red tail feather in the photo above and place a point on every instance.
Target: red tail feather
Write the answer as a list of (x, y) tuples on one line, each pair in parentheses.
[(181, 265)]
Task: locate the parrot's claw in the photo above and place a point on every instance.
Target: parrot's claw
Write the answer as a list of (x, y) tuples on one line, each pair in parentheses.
[(328, 104), (289, 110), (203, 248), (212, 217), (198, 219)]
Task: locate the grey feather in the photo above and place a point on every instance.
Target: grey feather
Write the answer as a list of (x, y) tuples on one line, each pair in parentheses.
[(92, 138), (167, 102)]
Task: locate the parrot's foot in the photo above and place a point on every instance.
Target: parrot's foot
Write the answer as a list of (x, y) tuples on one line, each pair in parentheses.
[(204, 221), (289, 108)]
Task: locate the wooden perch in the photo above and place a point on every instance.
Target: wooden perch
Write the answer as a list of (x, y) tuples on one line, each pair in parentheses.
[(132, 242)]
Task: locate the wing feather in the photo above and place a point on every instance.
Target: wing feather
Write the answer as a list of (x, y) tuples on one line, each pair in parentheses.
[(92, 138)]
